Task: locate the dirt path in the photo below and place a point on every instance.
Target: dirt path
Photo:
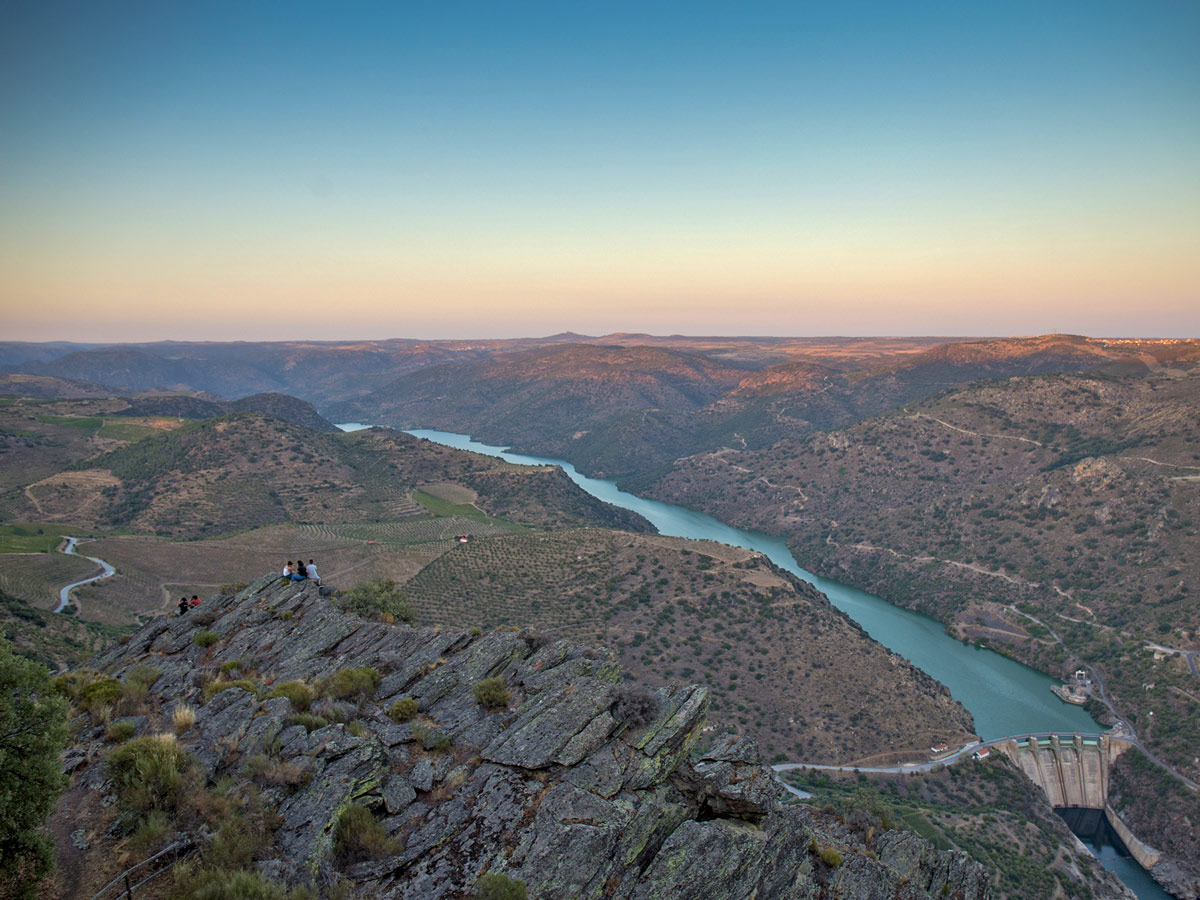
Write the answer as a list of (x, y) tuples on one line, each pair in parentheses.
[(1160, 462), (768, 482), (979, 570), (1003, 437), (34, 500)]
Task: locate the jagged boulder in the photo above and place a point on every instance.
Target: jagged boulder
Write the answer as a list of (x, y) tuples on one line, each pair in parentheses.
[(554, 788)]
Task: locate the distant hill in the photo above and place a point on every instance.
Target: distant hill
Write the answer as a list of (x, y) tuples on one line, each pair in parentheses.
[(1074, 497), (551, 397), (184, 406), (219, 475), (628, 411), (50, 387)]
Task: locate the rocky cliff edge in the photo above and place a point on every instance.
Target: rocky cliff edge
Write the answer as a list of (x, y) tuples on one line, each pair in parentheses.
[(580, 786)]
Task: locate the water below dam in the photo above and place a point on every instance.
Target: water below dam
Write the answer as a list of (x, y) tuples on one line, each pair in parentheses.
[(1004, 696)]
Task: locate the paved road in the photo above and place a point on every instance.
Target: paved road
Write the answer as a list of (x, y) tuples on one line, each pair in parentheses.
[(64, 596)]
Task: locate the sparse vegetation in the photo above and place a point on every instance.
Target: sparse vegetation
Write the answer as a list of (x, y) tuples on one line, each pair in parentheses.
[(149, 773), (497, 886), (375, 599), (431, 739), (492, 693), (308, 720), (117, 732), (357, 683), (206, 638), (357, 835), (636, 705), (299, 693), (101, 694), (183, 717), (403, 709), (831, 857)]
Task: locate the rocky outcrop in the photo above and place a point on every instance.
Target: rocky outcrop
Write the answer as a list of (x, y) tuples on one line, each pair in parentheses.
[(563, 787)]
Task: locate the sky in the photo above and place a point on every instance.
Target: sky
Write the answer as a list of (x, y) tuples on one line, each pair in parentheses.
[(293, 170)]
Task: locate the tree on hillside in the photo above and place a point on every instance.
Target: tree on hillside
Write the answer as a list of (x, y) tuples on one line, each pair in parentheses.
[(33, 729)]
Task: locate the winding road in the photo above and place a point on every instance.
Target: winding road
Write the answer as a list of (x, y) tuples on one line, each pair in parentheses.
[(64, 596)]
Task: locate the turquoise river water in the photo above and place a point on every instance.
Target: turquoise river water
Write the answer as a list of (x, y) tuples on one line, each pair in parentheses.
[(1003, 696)]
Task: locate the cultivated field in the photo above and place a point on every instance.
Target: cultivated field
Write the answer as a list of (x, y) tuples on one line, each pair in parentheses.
[(38, 577)]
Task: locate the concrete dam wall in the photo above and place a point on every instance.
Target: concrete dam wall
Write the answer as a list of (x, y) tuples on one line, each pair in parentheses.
[(1073, 771)]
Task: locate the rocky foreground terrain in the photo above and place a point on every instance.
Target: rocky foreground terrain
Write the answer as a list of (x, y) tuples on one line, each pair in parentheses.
[(294, 743)]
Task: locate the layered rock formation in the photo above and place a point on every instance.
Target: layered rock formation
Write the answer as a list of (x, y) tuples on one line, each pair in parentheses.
[(581, 786)]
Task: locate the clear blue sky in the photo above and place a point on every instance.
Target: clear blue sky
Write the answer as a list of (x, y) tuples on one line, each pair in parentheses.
[(298, 169)]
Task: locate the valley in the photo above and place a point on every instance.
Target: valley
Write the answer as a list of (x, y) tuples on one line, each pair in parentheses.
[(1036, 495)]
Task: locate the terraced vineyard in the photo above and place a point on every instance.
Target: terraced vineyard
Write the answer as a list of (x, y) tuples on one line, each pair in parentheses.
[(782, 664), (38, 577), (412, 531)]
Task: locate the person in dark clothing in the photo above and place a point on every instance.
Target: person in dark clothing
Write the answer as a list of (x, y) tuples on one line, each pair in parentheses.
[(298, 573), (183, 606)]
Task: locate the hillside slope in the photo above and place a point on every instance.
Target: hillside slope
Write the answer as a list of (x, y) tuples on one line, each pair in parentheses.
[(243, 471), (566, 782), (782, 664), (628, 412)]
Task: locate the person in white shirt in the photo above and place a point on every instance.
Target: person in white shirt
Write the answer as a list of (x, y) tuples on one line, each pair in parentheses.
[(287, 570), (311, 571)]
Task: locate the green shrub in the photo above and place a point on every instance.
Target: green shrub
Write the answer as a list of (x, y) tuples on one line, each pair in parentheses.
[(359, 683), (142, 675), (99, 694), (310, 722), (206, 638), (492, 693), (150, 832), (431, 740), (358, 836), (117, 732), (221, 884), (403, 709), (228, 667), (69, 684), (494, 886), (33, 729), (299, 693), (374, 599), (149, 773), (830, 857)]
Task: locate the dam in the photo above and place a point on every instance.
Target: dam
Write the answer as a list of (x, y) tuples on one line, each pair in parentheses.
[(1073, 771)]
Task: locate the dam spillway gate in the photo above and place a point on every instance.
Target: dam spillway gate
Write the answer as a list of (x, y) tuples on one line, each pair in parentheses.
[(1072, 769)]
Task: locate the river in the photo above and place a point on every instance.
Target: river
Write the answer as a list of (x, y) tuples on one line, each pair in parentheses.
[(1004, 697)]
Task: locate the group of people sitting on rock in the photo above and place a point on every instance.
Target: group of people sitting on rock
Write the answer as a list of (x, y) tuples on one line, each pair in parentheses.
[(300, 572), (185, 604)]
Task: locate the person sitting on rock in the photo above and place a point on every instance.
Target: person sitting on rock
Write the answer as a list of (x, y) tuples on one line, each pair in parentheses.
[(287, 570), (183, 605), (195, 600), (311, 571), (298, 572)]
